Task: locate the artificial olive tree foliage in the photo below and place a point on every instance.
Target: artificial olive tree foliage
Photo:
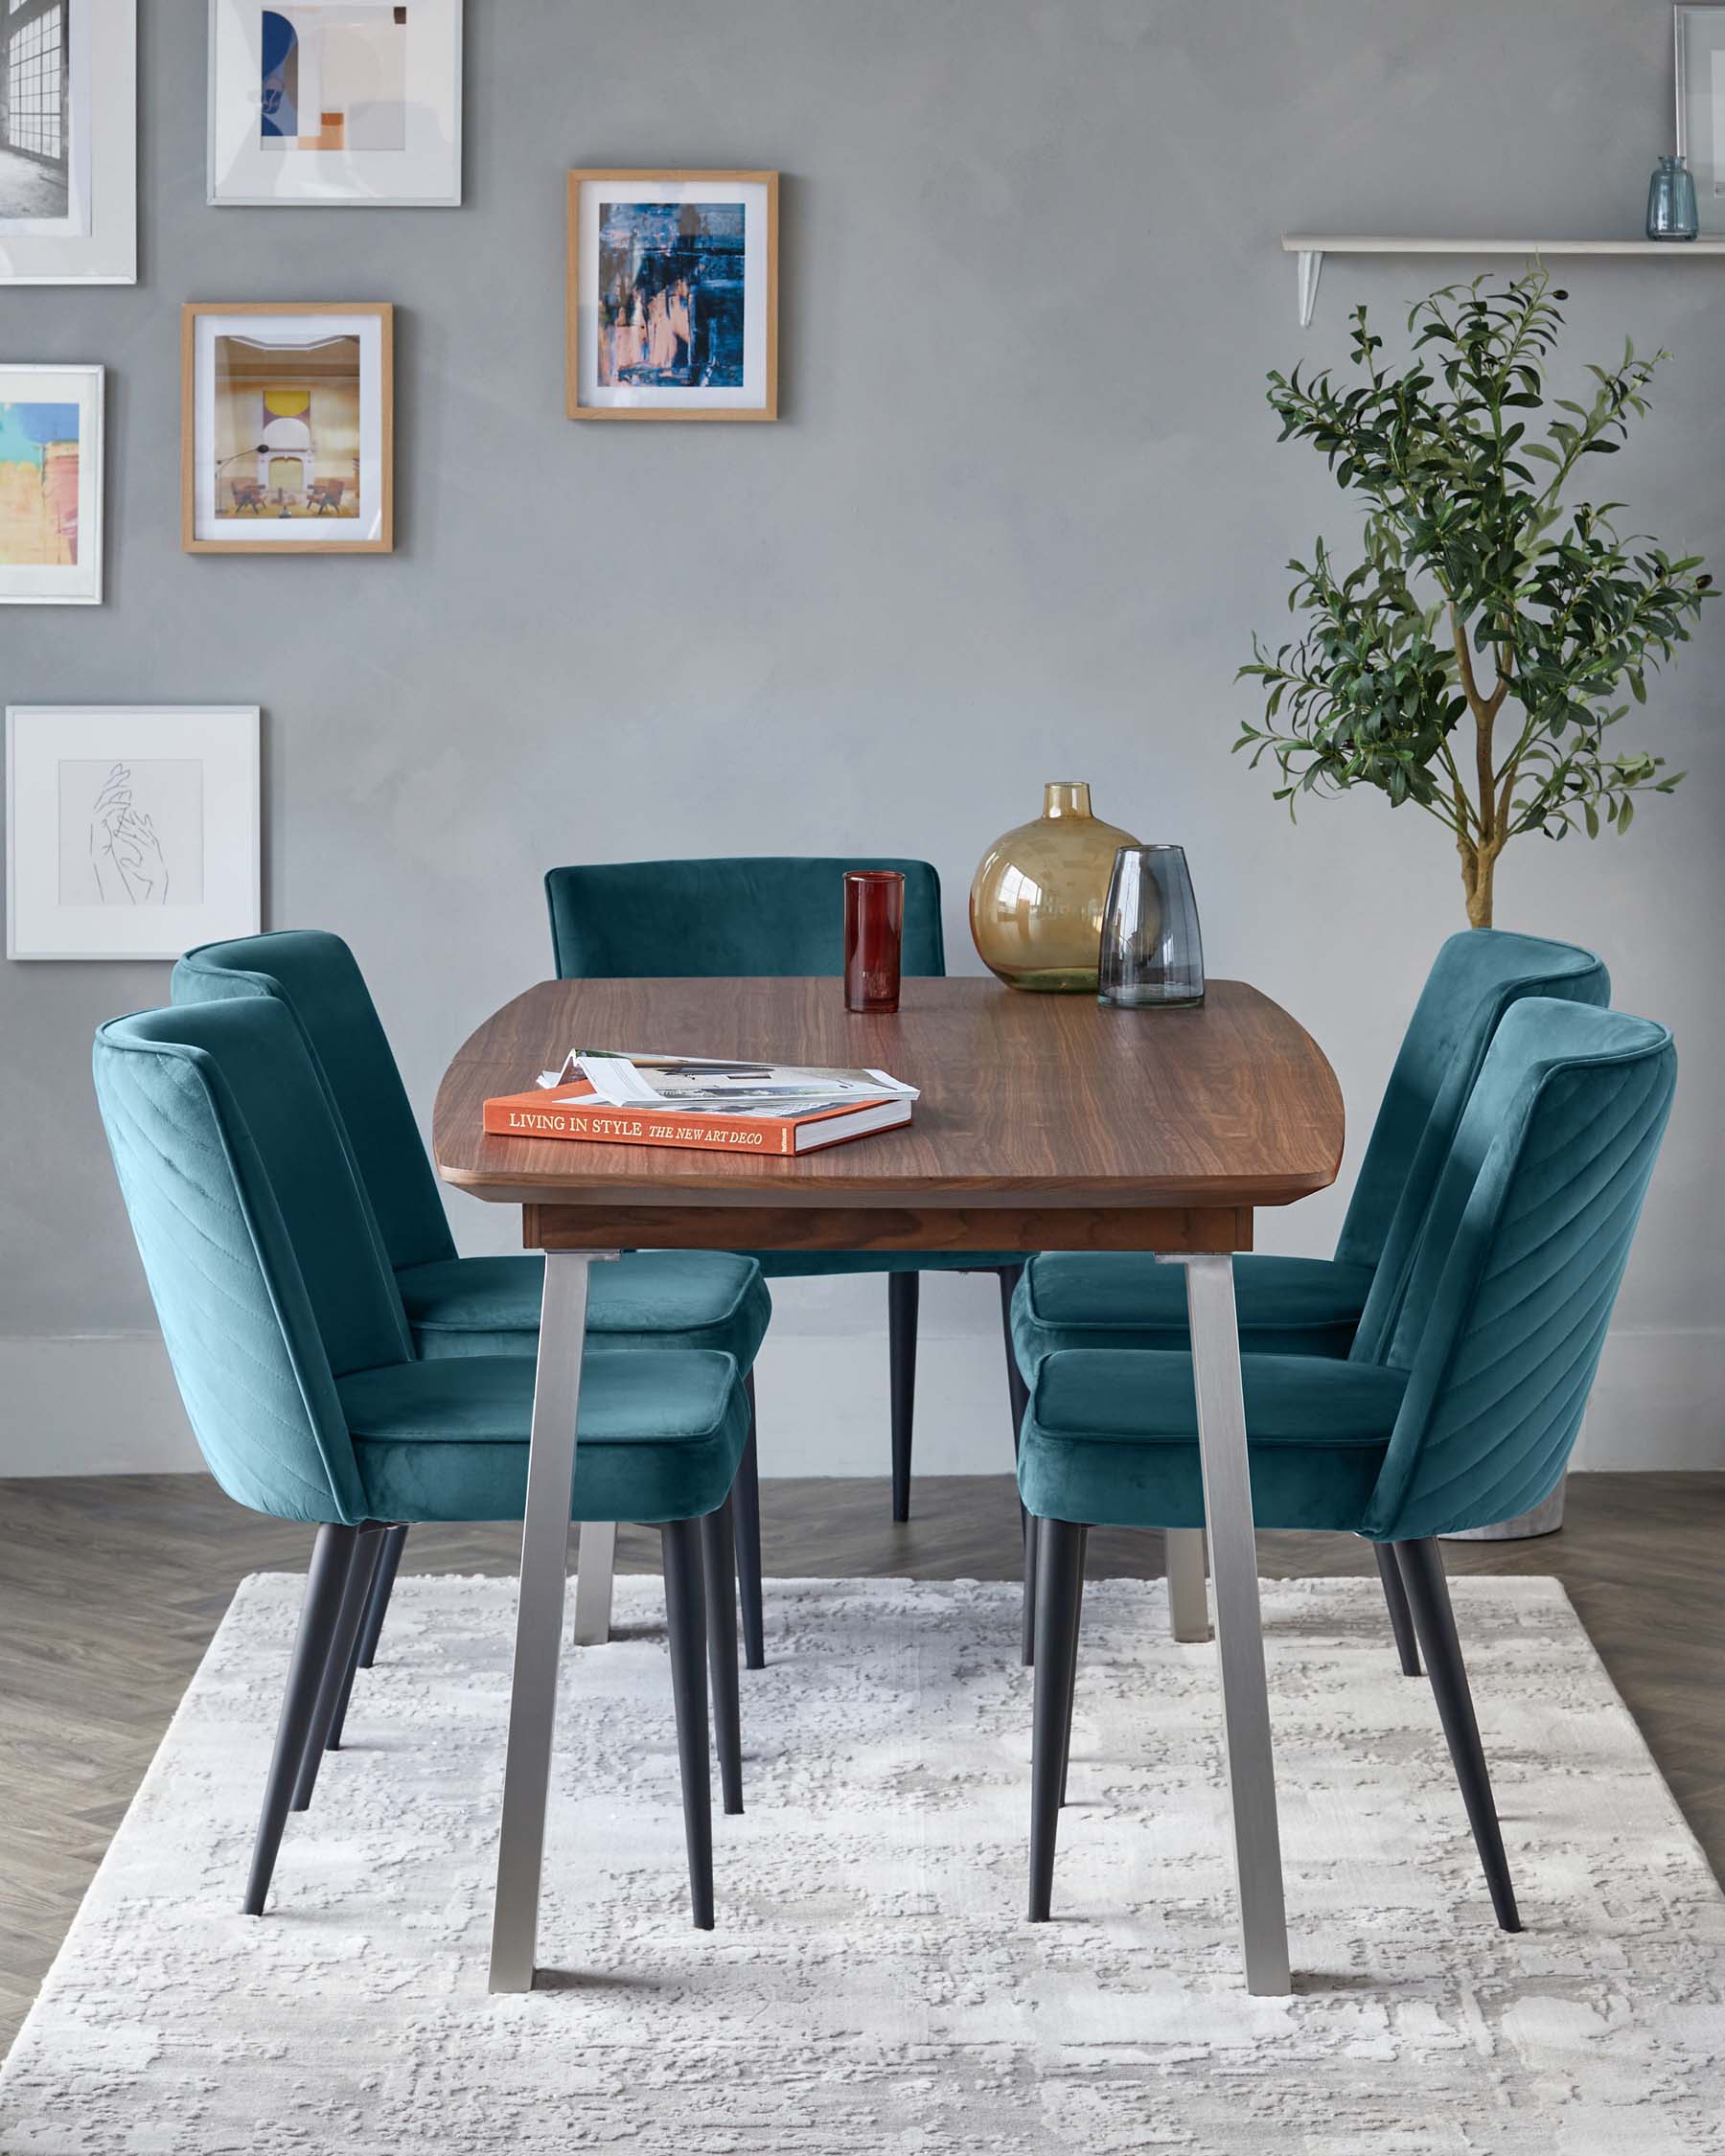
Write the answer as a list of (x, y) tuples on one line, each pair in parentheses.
[(1468, 664)]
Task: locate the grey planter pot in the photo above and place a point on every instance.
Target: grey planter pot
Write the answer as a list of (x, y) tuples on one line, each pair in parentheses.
[(1545, 1518)]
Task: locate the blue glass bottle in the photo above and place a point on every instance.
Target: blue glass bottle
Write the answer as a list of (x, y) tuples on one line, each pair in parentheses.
[(1671, 203), (1152, 953)]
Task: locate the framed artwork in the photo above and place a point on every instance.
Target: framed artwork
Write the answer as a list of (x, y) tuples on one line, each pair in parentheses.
[(332, 102), (51, 486), (1700, 41), (673, 295), (131, 829), (287, 427), (68, 141)]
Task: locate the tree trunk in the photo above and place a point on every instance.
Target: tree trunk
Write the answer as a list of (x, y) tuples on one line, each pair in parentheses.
[(1478, 869)]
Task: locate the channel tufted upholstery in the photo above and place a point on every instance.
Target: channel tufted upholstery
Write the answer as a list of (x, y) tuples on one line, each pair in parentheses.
[(1469, 1416), (1314, 1306), (454, 1305)]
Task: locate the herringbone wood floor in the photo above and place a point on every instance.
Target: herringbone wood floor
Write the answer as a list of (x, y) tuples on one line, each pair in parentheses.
[(110, 1588)]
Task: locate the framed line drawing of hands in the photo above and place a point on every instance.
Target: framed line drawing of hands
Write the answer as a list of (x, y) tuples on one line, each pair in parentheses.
[(132, 830)]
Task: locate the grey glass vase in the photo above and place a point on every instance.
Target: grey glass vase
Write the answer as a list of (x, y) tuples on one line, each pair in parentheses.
[(1152, 954)]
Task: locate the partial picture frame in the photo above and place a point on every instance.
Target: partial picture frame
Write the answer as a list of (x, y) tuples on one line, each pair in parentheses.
[(672, 296), (332, 103), (51, 486), (132, 831), (1698, 37), (286, 426), (68, 141)]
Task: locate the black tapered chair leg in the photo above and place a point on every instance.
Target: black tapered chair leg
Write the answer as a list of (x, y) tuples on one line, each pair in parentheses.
[(904, 1293), (326, 1578), (338, 1668), (745, 1493), (719, 1570), (685, 1616), (389, 1563), (1435, 1625), (1395, 1598), (1066, 1749), (1060, 1576), (346, 1693), (1027, 1612)]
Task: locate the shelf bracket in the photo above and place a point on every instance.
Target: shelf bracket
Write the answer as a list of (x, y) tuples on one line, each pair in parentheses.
[(1310, 265)]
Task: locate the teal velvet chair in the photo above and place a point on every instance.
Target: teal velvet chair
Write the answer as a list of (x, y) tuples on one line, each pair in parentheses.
[(458, 1306), (772, 914), (1456, 1406), (296, 1364)]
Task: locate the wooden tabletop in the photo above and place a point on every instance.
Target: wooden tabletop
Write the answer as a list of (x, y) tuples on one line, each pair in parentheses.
[(1045, 1122)]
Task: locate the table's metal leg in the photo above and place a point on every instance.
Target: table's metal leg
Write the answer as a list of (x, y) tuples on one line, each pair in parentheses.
[(1239, 1634), (1189, 1601), (595, 1567), (539, 1618)]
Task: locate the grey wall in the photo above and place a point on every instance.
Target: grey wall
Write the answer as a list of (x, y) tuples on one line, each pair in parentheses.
[(1018, 520)]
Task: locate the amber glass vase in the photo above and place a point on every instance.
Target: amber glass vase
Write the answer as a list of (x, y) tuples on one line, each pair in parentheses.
[(1037, 899)]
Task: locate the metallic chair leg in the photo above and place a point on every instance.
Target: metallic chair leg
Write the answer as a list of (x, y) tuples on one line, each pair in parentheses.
[(538, 1619), (904, 1293), (685, 1616), (1065, 1745), (595, 1576), (1434, 1622), (1239, 1637), (1059, 1582), (1401, 1617), (331, 1558), (719, 1566), (389, 1563), (745, 1493), (1188, 1598), (338, 1668)]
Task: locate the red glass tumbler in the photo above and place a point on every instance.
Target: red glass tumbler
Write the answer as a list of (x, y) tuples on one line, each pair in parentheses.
[(874, 925)]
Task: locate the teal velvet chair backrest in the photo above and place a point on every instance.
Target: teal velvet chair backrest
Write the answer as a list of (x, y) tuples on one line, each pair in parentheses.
[(318, 977), (1475, 978), (1519, 1267), (259, 1246), (752, 914)]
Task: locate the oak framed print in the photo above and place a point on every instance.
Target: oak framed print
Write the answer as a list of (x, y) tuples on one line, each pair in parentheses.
[(131, 829), (51, 486), (673, 295), (328, 103), (287, 427), (68, 141)]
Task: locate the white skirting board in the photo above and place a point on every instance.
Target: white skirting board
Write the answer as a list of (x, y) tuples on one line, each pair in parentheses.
[(106, 1402)]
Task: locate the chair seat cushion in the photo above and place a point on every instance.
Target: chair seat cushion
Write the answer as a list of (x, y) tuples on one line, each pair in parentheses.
[(650, 1298), (658, 1437), (1110, 1438), (1115, 1298), (813, 1265)]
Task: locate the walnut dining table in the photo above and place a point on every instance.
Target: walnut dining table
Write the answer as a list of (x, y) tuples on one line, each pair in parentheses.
[(1044, 1123)]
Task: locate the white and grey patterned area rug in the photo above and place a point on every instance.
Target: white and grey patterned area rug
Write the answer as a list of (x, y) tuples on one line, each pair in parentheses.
[(873, 1984)]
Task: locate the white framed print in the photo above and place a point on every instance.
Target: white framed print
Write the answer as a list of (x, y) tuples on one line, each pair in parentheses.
[(672, 296), (68, 141), (287, 427), (51, 486), (332, 101), (131, 829), (1701, 70)]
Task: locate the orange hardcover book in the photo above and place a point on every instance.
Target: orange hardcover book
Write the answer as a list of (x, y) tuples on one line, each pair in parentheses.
[(576, 1111)]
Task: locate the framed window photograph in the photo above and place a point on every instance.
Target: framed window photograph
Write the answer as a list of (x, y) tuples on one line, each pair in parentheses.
[(334, 102), (131, 829), (673, 295), (51, 486), (287, 427), (1700, 41), (68, 141)]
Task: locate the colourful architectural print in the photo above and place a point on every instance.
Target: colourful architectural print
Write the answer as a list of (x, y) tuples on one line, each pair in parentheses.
[(286, 429), (671, 297), (39, 485), (335, 76)]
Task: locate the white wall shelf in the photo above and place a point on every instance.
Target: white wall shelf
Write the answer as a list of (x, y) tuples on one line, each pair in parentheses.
[(1311, 248)]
